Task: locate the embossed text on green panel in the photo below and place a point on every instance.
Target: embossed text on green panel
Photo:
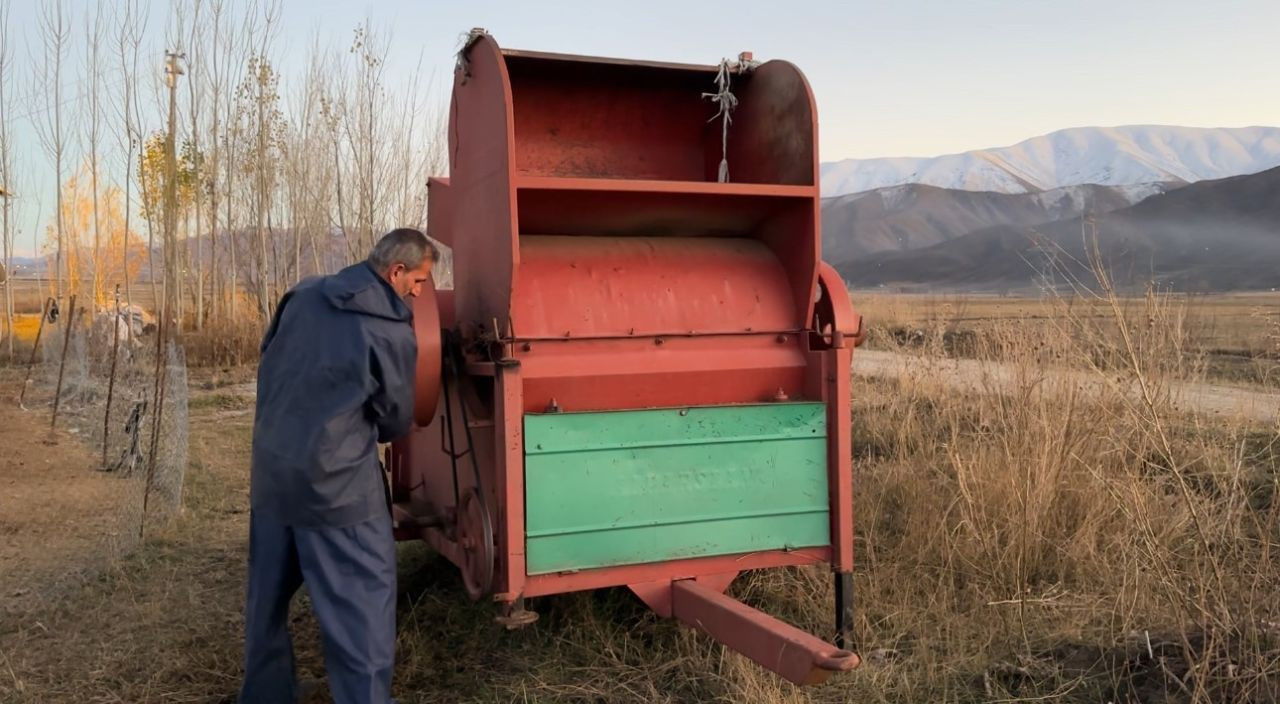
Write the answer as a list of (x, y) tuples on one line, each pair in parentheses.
[(628, 487)]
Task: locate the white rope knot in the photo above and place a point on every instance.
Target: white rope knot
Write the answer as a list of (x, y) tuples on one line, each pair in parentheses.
[(727, 101)]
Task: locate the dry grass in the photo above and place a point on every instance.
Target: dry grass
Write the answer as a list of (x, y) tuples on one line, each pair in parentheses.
[(1046, 543), (1226, 337), (224, 343), (221, 342), (1047, 536)]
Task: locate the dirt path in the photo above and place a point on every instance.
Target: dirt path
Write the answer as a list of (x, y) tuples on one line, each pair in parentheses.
[(55, 508), (975, 376), (161, 624)]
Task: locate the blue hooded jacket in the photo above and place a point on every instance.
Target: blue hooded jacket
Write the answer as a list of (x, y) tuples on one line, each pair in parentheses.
[(335, 379)]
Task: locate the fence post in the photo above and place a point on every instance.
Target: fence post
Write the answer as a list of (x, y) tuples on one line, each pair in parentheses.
[(111, 379), (156, 417), (70, 319)]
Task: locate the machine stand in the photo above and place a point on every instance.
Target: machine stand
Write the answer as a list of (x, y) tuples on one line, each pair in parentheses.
[(844, 610), (514, 616)]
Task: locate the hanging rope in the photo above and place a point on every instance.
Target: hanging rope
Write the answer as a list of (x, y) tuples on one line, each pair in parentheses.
[(727, 101)]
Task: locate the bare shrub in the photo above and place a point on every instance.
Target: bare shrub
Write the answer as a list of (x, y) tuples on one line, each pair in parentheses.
[(224, 342)]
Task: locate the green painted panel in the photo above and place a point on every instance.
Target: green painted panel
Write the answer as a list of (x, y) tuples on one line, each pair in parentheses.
[(629, 487)]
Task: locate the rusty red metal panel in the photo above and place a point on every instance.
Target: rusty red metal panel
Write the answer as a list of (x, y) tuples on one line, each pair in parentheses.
[(589, 375), (479, 204), (586, 286), (792, 235), (444, 301), (773, 137), (439, 217), (601, 208), (617, 120), (840, 457), (426, 328), (839, 328), (795, 655), (509, 438), (541, 585)]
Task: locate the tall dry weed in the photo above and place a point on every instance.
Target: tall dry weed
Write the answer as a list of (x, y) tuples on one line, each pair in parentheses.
[(226, 341), (1058, 527)]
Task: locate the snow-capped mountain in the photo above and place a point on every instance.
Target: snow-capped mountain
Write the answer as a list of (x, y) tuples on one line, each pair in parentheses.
[(1219, 235), (1112, 156)]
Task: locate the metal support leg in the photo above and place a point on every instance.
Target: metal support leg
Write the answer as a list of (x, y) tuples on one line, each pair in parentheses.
[(844, 610), (515, 616)]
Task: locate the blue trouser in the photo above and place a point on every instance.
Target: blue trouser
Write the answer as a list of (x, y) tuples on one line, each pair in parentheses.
[(350, 574)]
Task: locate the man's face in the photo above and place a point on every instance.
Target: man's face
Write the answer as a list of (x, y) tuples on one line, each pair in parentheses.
[(407, 282)]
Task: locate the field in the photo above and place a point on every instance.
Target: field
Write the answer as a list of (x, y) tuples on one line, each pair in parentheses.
[(29, 294), (1233, 338), (29, 298), (1045, 542)]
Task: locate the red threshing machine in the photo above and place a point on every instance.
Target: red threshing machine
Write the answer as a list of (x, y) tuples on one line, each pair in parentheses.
[(641, 376)]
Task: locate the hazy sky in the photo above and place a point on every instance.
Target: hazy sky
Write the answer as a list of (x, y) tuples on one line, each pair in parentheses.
[(892, 77), (904, 77)]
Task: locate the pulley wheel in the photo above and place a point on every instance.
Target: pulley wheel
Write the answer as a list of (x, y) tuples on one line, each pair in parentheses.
[(430, 370), (474, 532)]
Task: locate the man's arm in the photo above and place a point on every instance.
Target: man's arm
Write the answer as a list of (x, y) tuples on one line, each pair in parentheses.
[(391, 404)]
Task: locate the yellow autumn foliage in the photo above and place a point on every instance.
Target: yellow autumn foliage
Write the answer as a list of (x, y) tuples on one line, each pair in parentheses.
[(91, 270), (153, 170)]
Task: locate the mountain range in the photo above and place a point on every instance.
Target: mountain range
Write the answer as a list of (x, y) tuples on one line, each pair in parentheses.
[(1109, 156), (915, 215), (1220, 235), (1127, 184)]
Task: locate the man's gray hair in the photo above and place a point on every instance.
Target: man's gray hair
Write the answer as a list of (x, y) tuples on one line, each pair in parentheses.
[(402, 246)]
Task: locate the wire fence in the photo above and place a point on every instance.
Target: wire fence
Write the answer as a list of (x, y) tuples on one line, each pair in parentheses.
[(118, 387)]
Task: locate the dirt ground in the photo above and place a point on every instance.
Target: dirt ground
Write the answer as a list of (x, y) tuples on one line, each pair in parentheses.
[(42, 532), (144, 619)]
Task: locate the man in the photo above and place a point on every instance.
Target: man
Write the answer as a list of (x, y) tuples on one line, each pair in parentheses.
[(336, 379)]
